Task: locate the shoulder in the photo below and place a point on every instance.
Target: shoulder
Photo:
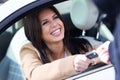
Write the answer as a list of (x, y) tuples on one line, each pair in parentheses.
[(28, 49), (28, 46)]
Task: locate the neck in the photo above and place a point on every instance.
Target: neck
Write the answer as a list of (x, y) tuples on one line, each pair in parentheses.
[(56, 51), (56, 47)]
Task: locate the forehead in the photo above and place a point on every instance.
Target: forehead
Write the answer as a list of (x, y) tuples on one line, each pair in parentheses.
[(46, 11)]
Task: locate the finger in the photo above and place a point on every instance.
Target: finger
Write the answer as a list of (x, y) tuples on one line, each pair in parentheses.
[(103, 46)]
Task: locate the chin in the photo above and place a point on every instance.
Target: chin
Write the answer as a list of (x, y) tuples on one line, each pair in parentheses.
[(60, 38)]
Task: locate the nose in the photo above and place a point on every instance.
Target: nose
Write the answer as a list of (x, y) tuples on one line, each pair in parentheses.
[(53, 23)]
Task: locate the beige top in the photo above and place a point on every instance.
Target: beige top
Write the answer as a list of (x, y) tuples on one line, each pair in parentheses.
[(35, 70)]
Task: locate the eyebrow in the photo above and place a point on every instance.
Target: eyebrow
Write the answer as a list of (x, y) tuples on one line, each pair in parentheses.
[(54, 15), (46, 19), (43, 20)]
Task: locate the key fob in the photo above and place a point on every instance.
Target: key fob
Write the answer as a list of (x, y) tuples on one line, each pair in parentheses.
[(91, 54)]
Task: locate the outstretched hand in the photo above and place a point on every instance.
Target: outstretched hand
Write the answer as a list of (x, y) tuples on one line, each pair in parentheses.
[(81, 63), (103, 53)]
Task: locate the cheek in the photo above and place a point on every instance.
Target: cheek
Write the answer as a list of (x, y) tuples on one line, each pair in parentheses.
[(61, 24), (63, 27), (45, 32)]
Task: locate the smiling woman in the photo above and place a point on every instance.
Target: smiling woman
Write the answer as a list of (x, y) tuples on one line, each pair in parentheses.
[(49, 43), (51, 46)]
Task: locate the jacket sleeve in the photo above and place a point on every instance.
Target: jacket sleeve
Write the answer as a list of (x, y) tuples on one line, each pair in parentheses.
[(35, 70)]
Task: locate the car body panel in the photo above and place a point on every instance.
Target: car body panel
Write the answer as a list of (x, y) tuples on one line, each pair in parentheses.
[(103, 73), (13, 6)]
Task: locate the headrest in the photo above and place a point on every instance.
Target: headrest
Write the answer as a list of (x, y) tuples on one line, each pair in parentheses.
[(84, 14)]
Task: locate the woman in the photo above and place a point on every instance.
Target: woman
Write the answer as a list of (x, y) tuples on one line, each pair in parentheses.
[(51, 51)]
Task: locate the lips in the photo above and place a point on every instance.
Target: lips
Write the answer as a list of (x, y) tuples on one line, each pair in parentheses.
[(56, 32)]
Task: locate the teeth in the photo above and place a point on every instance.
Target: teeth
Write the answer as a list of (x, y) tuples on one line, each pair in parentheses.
[(56, 31)]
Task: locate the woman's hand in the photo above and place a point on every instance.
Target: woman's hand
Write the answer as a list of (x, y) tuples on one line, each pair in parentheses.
[(102, 52), (81, 63)]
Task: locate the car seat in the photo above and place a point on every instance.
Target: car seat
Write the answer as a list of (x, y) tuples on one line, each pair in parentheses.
[(84, 15)]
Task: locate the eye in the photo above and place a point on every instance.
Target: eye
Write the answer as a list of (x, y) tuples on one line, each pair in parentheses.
[(44, 22), (55, 17)]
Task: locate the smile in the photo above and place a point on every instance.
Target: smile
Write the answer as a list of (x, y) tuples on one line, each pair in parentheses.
[(56, 32)]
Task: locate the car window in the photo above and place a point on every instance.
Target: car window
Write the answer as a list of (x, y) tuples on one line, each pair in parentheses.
[(6, 36)]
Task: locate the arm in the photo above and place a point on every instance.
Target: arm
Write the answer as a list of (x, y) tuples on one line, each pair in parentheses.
[(35, 70), (56, 70)]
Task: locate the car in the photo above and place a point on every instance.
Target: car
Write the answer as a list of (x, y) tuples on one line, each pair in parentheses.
[(75, 15)]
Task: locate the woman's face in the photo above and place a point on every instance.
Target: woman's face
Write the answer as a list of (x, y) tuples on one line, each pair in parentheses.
[(52, 26)]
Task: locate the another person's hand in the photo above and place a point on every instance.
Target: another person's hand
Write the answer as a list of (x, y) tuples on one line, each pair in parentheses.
[(103, 53), (81, 63)]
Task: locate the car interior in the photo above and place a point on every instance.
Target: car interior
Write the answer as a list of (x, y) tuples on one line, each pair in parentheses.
[(13, 38)]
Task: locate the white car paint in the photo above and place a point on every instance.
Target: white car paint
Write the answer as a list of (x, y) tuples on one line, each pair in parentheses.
[(11, 6), (103, 73)]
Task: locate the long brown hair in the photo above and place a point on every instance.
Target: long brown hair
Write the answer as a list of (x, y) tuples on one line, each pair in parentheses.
[(33, 32)]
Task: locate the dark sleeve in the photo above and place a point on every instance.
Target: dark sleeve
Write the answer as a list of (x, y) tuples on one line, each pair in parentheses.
[(114, 49), (104, 5), (108, 6), (111, 8)]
